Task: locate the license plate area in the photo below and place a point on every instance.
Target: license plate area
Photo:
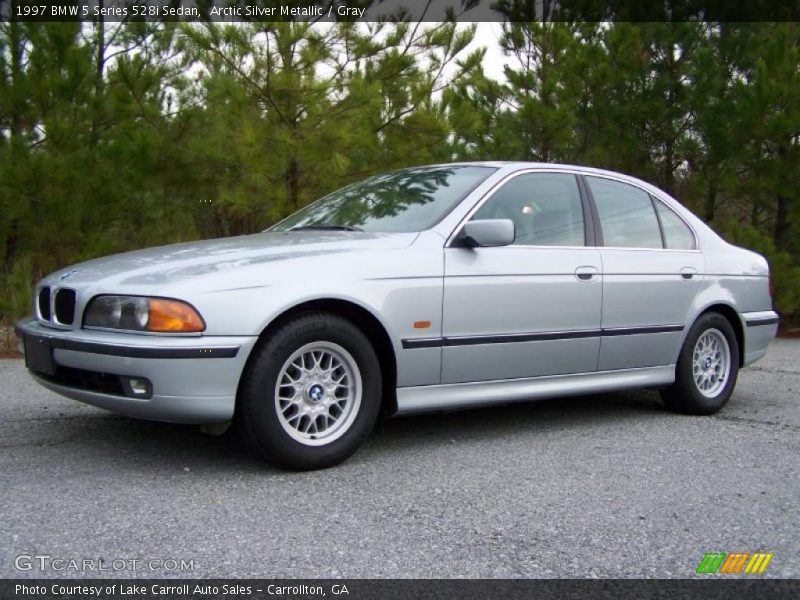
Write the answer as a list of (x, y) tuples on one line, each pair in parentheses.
[(39, 354)]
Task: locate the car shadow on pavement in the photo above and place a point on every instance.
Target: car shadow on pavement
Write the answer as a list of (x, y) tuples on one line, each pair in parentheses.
[(502, 421), (132, 444)]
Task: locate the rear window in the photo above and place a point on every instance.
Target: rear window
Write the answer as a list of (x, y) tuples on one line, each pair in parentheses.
[(677, 235), (627, 216)]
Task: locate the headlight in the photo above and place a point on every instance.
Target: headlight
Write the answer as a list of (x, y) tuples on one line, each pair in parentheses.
[(136, 313)]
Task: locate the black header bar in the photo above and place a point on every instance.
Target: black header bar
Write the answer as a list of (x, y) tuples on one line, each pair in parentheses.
[(467, 11)]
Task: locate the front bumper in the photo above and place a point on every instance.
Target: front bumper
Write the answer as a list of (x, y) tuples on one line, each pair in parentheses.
[(193, 379)]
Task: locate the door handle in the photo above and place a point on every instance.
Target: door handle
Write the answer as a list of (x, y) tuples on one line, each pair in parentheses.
[(586, 273), (688, 272)]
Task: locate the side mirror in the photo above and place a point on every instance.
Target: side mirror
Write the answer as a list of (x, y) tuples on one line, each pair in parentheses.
[(488, 233)]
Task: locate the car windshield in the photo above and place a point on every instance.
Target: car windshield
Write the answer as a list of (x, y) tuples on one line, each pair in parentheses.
[(397, 202)]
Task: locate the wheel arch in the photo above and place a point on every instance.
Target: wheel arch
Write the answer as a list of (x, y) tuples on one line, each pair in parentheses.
[(367, 322), (732, 316)]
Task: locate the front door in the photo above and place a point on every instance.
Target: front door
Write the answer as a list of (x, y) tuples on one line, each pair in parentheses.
[(533, 308)]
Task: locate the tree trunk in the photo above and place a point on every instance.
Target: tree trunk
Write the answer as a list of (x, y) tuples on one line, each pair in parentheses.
[(669, 157), (292, 178), (100, 63), (781, 233), (669, 143), (17, 48), (671, 133), (16, 121), (755, 215), (782, 222), (711, 201)]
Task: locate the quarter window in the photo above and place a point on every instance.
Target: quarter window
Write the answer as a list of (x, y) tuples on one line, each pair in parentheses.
[(627, 217), (545, 207), (677, 235)]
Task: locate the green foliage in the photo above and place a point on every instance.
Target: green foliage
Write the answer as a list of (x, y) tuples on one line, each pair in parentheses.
[(15, 288), (116, 136)]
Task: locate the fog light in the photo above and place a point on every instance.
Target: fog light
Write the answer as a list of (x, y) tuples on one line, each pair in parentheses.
[(137, 387)]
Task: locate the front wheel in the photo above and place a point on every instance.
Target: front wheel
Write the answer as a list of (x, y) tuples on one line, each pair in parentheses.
[(311, 393), (707, 368)]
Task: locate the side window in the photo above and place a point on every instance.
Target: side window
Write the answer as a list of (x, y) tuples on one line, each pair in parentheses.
[(627, 217), (677, 234), (545, 207)]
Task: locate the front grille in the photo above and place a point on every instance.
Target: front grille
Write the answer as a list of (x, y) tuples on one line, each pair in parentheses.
[(44, 303), (93, 381), (65, 306)]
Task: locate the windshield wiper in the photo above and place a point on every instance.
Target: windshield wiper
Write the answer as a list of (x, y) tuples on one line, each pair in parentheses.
[(325, 228)]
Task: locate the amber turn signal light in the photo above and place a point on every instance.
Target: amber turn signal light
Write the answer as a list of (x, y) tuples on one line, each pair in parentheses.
[(173, 316)]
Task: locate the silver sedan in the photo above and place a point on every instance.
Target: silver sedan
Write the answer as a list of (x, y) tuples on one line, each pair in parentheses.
[(423, 289)]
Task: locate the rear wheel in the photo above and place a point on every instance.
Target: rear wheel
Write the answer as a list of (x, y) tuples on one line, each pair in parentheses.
[(311, 393), (707, 368)]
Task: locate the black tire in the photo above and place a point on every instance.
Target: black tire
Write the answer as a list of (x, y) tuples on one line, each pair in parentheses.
[(684, 395), (258, 414)]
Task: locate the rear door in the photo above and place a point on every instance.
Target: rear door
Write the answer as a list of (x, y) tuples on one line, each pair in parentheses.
[(651, 274), (532, 308)]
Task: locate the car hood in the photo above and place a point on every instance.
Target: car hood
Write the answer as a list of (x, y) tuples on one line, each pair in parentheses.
[(174, 263)]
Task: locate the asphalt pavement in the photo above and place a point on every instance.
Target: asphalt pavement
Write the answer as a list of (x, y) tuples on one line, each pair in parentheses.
[(597, 486)]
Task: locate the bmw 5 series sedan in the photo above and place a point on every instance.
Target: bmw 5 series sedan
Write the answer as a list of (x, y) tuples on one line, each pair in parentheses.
[(424, 289)]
